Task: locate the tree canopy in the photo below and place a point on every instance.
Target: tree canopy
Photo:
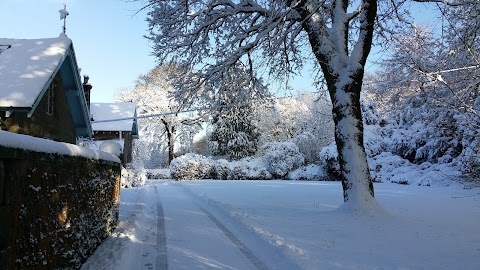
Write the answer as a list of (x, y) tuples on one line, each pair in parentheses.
[(280, 37)]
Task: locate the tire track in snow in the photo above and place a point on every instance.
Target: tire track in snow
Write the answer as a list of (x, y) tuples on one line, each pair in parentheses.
[(161, 258), (244, 249)]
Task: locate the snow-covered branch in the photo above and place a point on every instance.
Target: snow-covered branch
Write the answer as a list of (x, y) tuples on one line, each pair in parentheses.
[(213, 36), (450, 3)]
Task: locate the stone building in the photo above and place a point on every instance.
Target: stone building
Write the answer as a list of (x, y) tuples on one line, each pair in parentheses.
[(41, 92), (115, 122)]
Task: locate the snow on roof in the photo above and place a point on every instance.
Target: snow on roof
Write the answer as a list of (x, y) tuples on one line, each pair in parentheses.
[(26, 65), (13, 140), (111, 111)]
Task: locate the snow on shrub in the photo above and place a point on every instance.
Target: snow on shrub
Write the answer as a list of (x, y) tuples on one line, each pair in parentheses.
[(134, 175), (329, 157), (307, 145), (221, 169), (373, 142), (369, 111), (158, 173), (311, 172), (282, 157), (387, 167), (469, 162), (191, 166), (383, 168), (249, 169), (373, 138), (111, 147)]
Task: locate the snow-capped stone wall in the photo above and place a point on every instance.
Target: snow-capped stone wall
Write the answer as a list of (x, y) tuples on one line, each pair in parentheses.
[(54, 209)]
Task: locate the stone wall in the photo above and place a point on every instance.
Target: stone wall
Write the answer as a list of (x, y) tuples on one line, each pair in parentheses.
[(54, 209)]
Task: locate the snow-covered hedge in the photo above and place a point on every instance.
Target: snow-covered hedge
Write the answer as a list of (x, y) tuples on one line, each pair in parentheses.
[(134, 175), (329, 157), (387, 167), (470, 161), (308, 146), (158, 173), (249, 169), (282, 157), (67, 204), (277, 161), (221, 169), (191, 166), (311, 172)]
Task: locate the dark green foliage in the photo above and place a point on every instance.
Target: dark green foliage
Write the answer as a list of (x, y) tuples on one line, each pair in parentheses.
[(234, 133)]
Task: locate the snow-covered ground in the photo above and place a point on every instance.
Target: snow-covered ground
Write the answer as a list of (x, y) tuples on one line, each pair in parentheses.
[(290, 225)]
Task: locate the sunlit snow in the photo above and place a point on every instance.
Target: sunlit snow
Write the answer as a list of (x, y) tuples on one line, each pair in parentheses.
[(292, 225)]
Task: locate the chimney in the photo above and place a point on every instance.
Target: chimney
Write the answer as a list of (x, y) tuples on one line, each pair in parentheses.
[(87, 87)]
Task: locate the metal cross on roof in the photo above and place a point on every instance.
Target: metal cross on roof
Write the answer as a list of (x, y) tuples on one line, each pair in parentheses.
[(63, 16)]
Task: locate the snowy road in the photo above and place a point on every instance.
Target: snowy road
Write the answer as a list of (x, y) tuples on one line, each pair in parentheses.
[(161, 258), (199, 237), (290, 225), (196, 237)]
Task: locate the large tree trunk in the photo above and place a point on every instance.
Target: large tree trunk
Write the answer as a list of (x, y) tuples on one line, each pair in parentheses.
[(343, 70), (347, 115)]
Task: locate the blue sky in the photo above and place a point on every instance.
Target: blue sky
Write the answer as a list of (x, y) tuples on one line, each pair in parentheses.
[(106, 34), (108, 38)]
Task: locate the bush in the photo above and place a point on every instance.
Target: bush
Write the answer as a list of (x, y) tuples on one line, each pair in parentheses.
[(311, 172), (192, 166), (134, 175), (373, 138), (221, 169), (282, 157), (158, 173), (470, 163), (249, 169), (278, 161), (329, 157), (308, 146)]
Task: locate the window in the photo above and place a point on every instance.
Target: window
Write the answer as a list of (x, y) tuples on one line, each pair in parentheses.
[(51, 99)]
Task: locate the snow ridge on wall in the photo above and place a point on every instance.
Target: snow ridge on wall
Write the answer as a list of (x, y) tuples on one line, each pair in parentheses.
[(25, 142)]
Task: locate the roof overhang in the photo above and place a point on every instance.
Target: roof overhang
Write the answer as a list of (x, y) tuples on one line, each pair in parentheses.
[(135, 125), (9, 110), (72, 85)]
